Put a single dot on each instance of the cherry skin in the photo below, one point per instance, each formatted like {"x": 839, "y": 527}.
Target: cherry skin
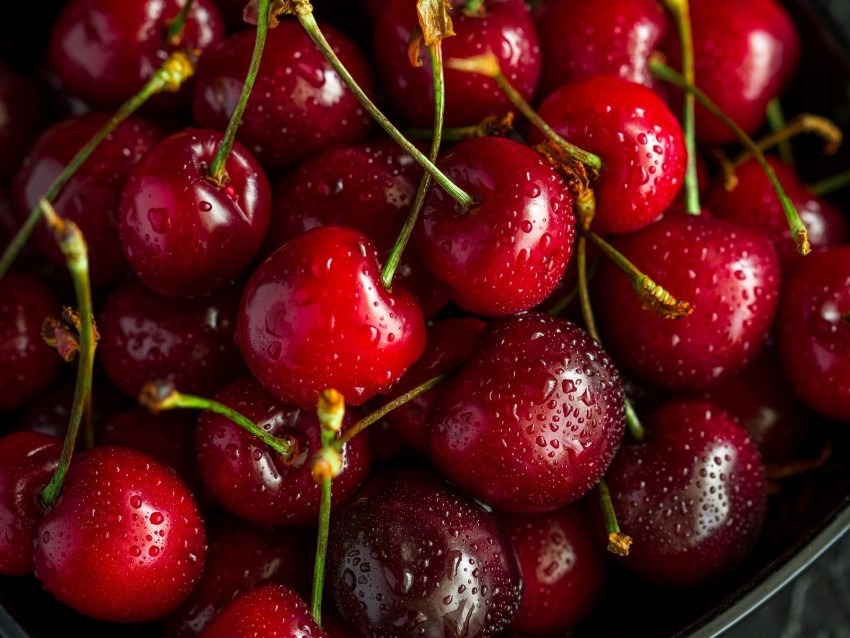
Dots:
{"x": 580, "y": 40}
{"x": 693, "y": 496}
{"x": 299, "y": 105}
{"x": 104, "y": 52}
{"x": 533, "y": 418}
{"x": 814, "y": 332}
{"x": 409, "y": 557}
{"x": 314, "y": 316}
{"x": 27, "y": 463}
{"x": 182, "y": 234}
{"x": 125, "y": 542}
{"x": 91, "y": 198}
{"x": 254, "y": 482}
{"x": 507, "y": 253}
{"x": 190, "y": 342}
{"x": 506, "y": 29}
{"x": 727, "y": 271}
{"x": 22, "y": 106}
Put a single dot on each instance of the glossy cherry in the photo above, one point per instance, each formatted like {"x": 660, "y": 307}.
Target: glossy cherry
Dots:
{"x": 692, "y": 497}
{"x": 727, "y": 271}
{"x": 533, "y": 418}
{"x": 409, "y": 557}
{"x": 299, "y": 105}
{"x": 507, "y": 253}
{"x": 314, "y": 316}
{"x": 183, "y": 234}
{"x": 22, "y": 106}
{"x": 124, "y": 542}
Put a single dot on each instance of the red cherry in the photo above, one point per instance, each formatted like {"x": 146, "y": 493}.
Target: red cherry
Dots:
{"x": 125, "y": 542}
{"x": 182, "y": 234}
{"x": 299, "y": 105}
{"x": 314, "y": 316}
{"x": 21, "y": 105}
{"x": 692, "y": 497}
{"x": 533, "y": 418}
{"x": 508, "y": 253}
{"x": 638, "y": 138}
{"x": 251, "y": 480}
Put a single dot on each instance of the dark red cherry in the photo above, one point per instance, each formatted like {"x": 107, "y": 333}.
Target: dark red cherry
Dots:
{"x": 507, "y": 253}
{"x": 580, "y": 40}
{"x": 814, "y": 332}
{"x": 638, "y": 138}
{"x": 28, "y": 364}
{"x": 505, "y": 29}
{"x": 184, "y": 235}
{"x": 563, "y": 570}
{"x": 105, "y": 51}
{"x": 753, "y": 201}
{"x": 91, "y": 197}
{"x": 692, "y": 497}
{"x": 190, "y": 342}
{"x": 314, "y": 316}
{"x": 727, "y": 271}
{"x": 409, "y": 557}
{"x": 270, "y": 611}
{"x": 533, "y": 418}
{"x": 22, "y": 106}
{"x": 27, "y": 463}
{"x": 124, "y": 542}
{"x": 299, "y": 105}
{"x": 253, "y": 481}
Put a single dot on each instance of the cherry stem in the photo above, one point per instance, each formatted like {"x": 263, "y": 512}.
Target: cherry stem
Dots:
{"x": 798, "y": 228}
{"x": 435, "y": 52}
{"x": 727, "y": 168}
{"x": 618, "y": 543}
{"x": 490, "y": 126}
{"x": 567, "y": 299}
{"x": 473, "y": 7}
{"x": 830, "y": 184}
{"x": 321, "y": 550}
{"x": 682, "y": 13}
{"x": 169, "y": 77}
{"x": 488, "y": 64}
{"x": 803, "y": 123}
{"x": 304, "y": 12}
{"x": 176, "y": 25}
{"x": 73, "y": 246}
{"x": 161, "y": 395}
{"x": 380, "y": 413}
{"x": 776, "y": 122}
{"x": 216, "y": 172}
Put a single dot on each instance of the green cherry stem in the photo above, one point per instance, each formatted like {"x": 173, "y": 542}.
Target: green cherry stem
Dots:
{"x": 798, "y": 228}
{"x": 216, "y": 172}
{"x": 174, "y": 32}
{"x": 321, "y": 550}
{"x": 73, "y": 246}
{"x": 776, "y": 122}
{"x": 803, "y": 123}
{"x": 618, "y": 543}
{"x": 473, "y": 7}
{"x": 169, "y": 77}
{"x": 435, "y": 51}
{"x": 571, "y": 296}
{"x": 831, "y": 184}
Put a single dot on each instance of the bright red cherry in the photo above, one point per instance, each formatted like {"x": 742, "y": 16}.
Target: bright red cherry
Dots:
{"x": 507, "y": 253}
{"x": 693, "y": 496}
{"x": 184, "y": 235}
{"x": 638, "y": 138}
{"x": 125, "y": 542}
{"x": 21, "y": 105}
{"x": 533, "y": 418}
{"x": 314, "y": 316}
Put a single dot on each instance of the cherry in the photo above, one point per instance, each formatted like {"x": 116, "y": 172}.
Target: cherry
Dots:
{"x": 580, "y": 40}
{"x": 182, "y": 234}
{"x": 409, "y": 557}
{"x": 533, "y": 418}
{"x": 105, "y": 51}
{"x": 91, "y": 197}
{"x": 505, "y": 28}
{"x": 315, "y": 316}
{"x": 814, "y": 332}
{"x": 124, "y": 542}
{"x": 692, "y": 497}
{"x": 299, "y": 105}
{"x": 21, "y": 105}
{"x": 563, "y": 570}
{"x": 251, "y": 480}
{"x": 727, "y": 271}
{"x": 269, "y": 610}
{"x": 639, "y": 140}
{"x": 27, "y": 463}
{"x": 190, "y": 342}
{"x": 508, "y": 253}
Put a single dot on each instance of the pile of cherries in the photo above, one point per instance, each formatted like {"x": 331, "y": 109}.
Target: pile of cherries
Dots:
{"x": 482, "y": 506}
